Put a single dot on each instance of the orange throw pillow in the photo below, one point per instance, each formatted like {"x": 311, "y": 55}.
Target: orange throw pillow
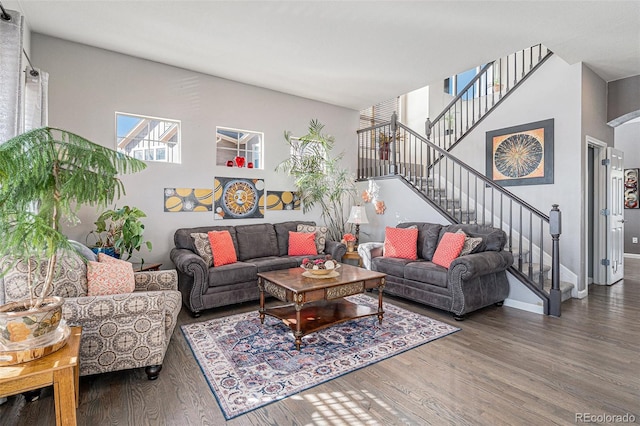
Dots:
{"x": 109, "y": 276}
{"x": 222, "y": 248}
{"x": 401, "y": 242}
{"x": 302, "y": 243}
{"x": 448, "y": 249}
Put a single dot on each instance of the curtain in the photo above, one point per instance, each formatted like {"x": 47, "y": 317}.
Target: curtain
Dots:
{"x": 11, "y": 36}
{"x": 36, "y": 112}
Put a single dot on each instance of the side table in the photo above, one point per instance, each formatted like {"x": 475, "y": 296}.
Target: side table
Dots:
{"x": 353, "y": 255}
{"x": 60, "y": 369}
{"x": 140, "y": 267}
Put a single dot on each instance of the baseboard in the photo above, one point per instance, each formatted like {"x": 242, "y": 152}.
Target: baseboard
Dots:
{"x": 632, "y": 255}
{"x": 529, "y": 307}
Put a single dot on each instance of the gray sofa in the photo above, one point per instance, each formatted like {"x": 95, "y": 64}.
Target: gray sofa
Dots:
{"x": 259, "y": 248}
{"x": 472, "y": 281}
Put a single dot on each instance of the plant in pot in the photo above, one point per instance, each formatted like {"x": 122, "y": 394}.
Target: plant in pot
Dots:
{"x": 119, "y": 231}
{"x": 319, "y": 177}
{"x": 45, "y": 176}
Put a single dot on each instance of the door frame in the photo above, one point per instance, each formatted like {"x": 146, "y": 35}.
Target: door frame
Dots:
{"x": 599, "y": 221}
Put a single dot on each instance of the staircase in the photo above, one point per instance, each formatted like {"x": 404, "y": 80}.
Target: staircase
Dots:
{"x": 464, "y": 195}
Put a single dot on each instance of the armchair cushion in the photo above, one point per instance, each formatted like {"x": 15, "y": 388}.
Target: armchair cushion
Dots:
{"x": 109, "y": 276}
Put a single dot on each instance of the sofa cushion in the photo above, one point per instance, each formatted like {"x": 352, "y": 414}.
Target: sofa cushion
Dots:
{"x": 428, "y": 237}
{"x": 427, "y": 272}
{"x": 257, "y": 240}
{"x": 402, "y": 243}
{"x": 282, "y": 233}
{"x": 273, "y": 263}
{"x": 321, "y": 235}
{"x": 203, "y": 247}
{"x": 222, "y": 248}
{"x": 470, "y": 243}
{"x": 183, "y": 240}
{"x": 232, "y": 273}
{"x": 448, "y": 249}
{"x": 302, "y": 243}
{"x": 493, "y": 239}
{"x": 390, "y": 265}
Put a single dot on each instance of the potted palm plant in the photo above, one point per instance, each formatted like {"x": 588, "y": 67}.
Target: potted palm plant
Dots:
{"x": 119, "y": 232}
{"x": 319, "y": 178}
{"x": 45, "y": 176}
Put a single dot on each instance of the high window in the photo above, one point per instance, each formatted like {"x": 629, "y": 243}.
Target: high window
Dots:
{"x": 234, "y": 144}
{"x": 148, "y": 138}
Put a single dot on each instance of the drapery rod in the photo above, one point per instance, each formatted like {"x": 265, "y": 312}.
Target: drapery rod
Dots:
{"x": 4, "y": 14}
{"x": 33, "y": 72}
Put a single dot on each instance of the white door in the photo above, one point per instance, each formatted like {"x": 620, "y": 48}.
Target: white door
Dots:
{"x": 615, "y": 218}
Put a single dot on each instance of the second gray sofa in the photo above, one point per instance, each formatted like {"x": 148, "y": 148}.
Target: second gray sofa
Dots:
{"x": 259, "y": 248}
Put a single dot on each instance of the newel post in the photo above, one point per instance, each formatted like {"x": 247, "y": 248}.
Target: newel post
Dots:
{"x": 555, "y": 229}
{"x": 393, "y": 169}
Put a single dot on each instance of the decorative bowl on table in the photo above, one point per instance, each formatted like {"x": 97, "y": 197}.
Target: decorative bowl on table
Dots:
{"x": 319, "y": 266}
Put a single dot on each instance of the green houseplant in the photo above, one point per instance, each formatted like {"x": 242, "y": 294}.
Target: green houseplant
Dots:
{"x": 319, "y": 178}
{"x": 45, "y": 176}
{"x": 120, "y": 229}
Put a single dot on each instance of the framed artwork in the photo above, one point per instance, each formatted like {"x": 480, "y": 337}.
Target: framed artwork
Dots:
{"x": 283, "y": 200}
{"x": 521, "y": 155}
{"x": 631, "y": 188}
{"x": 188, "y": 199}
{"x": 238, "y": 198}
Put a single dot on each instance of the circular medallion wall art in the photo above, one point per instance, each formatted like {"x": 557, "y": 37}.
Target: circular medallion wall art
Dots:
{"x": 519, "y": 156}
{"x": 238, "y": 198}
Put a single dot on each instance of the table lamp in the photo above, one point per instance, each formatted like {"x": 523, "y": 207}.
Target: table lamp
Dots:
{"x": 358, "y": 215}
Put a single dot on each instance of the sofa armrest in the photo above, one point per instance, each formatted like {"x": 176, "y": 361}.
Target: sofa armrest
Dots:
{"x": 368, "y": 251}
{"x": 156, "y": 280}
{"x": 188, "y": 262}
{"x": 335, "y": 249}
{"x": 478, "y": 264}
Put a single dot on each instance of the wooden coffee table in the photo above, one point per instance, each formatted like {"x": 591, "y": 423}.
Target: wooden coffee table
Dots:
{"x": 318, "y": 303}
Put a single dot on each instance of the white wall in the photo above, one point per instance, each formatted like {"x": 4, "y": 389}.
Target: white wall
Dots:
{"x": 87, "y": 85}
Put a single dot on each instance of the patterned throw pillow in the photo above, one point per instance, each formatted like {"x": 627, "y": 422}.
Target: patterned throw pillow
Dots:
{"x": 321, "y": 235}
{"x": 302, "y": 244}
{"x": 470, "y": 243}
{"x": 203, "y": 247}
{"x": 222, "y": 248}
{"x": 448, "y": 249}
{"x": 109, "y": 276}
{"x": 401, "y": 243}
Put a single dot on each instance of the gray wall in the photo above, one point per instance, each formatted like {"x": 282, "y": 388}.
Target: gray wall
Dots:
{"x": 627, "y": 138}
{"x": 87, "y": 85}
{"x": 554, "y": 91}
{"x": 623, "y": 100}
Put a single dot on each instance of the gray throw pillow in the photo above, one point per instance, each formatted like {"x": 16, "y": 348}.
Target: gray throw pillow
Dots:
{"x": 203, "y": 247}
{"x": 470, "y": 243}
{"x": 321, "y": 235}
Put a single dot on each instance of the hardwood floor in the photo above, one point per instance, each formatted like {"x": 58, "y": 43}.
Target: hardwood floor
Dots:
{"x": 506, "y": 366}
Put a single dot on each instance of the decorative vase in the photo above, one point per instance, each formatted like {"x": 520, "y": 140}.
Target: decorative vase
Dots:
{"x": 351, "y": 245}
{"x": 230, "y": 163}
{"x": 20, "y": 325}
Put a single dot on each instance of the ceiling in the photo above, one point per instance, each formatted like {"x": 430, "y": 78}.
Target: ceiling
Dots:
{"x": 348, "y": 53}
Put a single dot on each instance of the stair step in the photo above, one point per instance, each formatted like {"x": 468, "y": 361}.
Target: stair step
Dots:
{"x": 535, "y": 268}
{"x": 565, "y": 289}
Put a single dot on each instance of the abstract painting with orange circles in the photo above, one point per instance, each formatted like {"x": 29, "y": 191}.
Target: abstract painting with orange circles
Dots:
{"x": 238, "y": 198}
{"x": 188, "y": 199}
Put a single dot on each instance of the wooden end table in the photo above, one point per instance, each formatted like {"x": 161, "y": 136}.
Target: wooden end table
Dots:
{"x": 138, "y": 267}
{"x": 353, "y": 255}
{"x": 60, "y": 369}
{"x": 318, "y": 303}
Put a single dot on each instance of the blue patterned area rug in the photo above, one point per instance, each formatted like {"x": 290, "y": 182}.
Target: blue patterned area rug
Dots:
{"x": 249, "y": 365}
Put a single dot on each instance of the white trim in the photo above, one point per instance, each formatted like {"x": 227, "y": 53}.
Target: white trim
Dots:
{"x": 581, "y": 294}
{"x": 599, "y": 238}
{"x": 529, "y": 307}
{"x": 632, "y": 255}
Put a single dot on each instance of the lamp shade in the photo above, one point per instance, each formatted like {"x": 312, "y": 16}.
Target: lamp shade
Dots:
{"x": 358, "y": 215}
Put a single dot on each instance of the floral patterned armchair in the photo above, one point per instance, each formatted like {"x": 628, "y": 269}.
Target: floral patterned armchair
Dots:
{"x": 119, "y": 331}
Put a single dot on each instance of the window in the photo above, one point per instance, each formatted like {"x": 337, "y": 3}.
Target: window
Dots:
{"x": 148, "y": 138}
{"x": 232, "y": 143}
{"x": 455, "y": 84}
